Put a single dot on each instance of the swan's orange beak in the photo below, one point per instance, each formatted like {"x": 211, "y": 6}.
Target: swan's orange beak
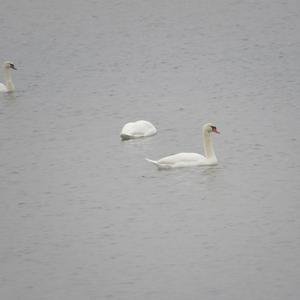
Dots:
{"x": 215, "y": 130}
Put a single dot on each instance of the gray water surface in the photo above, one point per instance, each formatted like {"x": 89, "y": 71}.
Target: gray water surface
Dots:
{"x": 84, "y": 216}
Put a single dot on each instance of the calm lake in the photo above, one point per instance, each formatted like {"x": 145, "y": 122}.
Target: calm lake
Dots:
{"x": 83, "y": 215}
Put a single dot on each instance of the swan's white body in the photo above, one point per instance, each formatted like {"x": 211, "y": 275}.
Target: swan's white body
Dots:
{"x": 191, "y": 159}
{"x": 138, "y": 129}
{"x": 3, "y": 87}
{"x": 9, "y": 86}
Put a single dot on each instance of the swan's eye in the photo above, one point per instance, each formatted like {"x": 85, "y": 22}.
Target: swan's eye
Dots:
{"x": 214, "y": 129}
{"x": 12, "y": 66}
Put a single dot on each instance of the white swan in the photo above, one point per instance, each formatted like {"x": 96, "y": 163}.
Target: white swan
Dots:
{"x": 191, "y": 159}
{"x": 138, "y": 129}
{"x": 9, "y": 87}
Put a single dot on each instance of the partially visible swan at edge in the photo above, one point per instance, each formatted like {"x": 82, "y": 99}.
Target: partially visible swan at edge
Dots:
{"x": 191, "y": 159}
{"x": 138, "y": 129}
{"x": 9, "y": 87}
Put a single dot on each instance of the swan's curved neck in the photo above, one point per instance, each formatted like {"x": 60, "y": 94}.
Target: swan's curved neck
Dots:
{"x": 8, "y": 80}
{"x": 208, "y": 146}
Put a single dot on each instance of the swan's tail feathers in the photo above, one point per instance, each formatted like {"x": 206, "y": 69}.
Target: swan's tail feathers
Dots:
{"x": 159, "y": 165}
{"x": 152, "y": 161}
{"x": 125, "y": 136}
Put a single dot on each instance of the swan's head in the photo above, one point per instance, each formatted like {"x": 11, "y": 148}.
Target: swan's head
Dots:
{"x": 9, "y": 65}
{"x": 209, "y": 127}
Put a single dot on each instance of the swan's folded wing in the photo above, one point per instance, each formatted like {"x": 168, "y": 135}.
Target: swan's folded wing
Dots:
{"x": 144, "y": 128}
{"x": 138, "y": 129}
{"x": 181, "y": 157}
{"x": 129, "y": 128}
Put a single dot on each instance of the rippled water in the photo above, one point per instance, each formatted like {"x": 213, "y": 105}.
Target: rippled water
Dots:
{"x": 84, "y": 216}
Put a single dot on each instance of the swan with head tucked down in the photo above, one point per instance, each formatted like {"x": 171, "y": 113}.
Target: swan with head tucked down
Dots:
{"x": 138, "y": 129}
{"x": 192, "y": 159}
{"x": 9, "y": 86}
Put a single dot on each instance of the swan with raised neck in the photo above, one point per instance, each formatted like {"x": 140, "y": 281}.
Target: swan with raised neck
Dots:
{"x": 8, "y": 86}
{"x": 192, "y": 159}
{"x": 208, "y": 146}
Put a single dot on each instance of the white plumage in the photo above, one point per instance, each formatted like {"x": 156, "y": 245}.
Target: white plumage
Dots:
{"x": 138, "y": 129}
{"x": 191, "y": 159}
{"x": 9, "y": 86}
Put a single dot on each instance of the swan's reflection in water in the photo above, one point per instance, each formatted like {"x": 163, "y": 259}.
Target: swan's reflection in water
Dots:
{"x": 210, "y": 171}
{"x": 10, "y": 96}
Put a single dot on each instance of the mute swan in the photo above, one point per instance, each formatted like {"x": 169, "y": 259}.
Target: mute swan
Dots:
{"x": 138, "y": 129}
{"x": 191, "y": 159}
{"x": 9, "y": 87}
